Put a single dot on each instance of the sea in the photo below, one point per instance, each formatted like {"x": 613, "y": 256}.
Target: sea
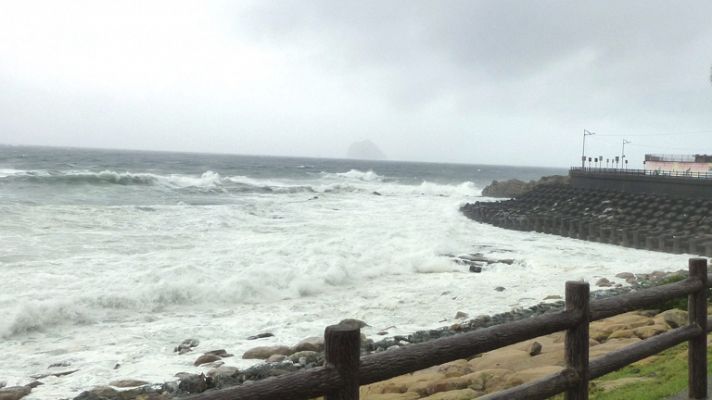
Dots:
{"x": 109, "y": 259}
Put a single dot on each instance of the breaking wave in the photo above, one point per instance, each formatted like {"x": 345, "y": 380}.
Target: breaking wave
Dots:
{"x": 352, "y": 181}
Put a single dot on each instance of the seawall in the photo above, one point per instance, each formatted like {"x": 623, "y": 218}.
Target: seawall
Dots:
{"x": 669, "y": 183}
{"x": 645, "y": 221}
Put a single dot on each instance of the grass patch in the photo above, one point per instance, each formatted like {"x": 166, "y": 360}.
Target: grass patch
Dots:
{"x": 656, "y": 378}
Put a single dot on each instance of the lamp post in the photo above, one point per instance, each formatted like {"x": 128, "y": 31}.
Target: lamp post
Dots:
{"x": 623, "y": 151}
{"x": 583, "y": 149}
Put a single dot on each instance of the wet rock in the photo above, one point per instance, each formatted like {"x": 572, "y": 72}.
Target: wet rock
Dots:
{"x": 262, "y": 371}
{"x": 461, "y": 315}
{"x": 305, "y": 357}
{"x": 625, "y": 275}
{"x": 516, "y": 187}
{"x": 552, "y": 297}
{"x": 14, "y": 392}
{"x": 314, "y": 343}
{"x": 186, "y": 346}
{"x": 214, "y": 364}
{"x": 206, "y": 358}
{"x": 263, "y": 352}
{"x": 220, "y": 353}
{"x": 276, "y": 358}
{"x": 500, "y": 289}
{"x": 223, "y": 370}
{"x": 223, "y": 376}
{"x": 192, "y": 383}
{"x": 108, "y": 393}
{"x": 603, "y": 282}
{"x": 534, "y": 349}
{"x": 3, "y": 384}
{"x": 99, "y": 393}
{"x": 352, "y": 321}
{"x": 260, "y": 336}
{"x": 57, "y": 374}
{"x": 126, "y": 383}
{"x": 475, "y": 269}
{"x": 34, "y": 384}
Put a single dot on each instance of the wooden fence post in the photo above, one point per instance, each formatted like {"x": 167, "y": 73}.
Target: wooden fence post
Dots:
{"x": 342, "y": 350}
{"x": 697, "y": 348}
{"x": 576, "y": 349}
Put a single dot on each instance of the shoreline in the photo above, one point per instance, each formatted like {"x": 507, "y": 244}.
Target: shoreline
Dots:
{"x": 309, "y": 352}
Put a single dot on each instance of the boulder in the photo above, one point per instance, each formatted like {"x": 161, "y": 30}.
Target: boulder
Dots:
{"x": 264, "y": 352}
{"x": 353, "y": 321}
{"x": 305, "y": 357}
{"x": 14, "y": 392}
{"x": 622, "y": 334}
{"x": 275, "y": 358}
{"x": 126, "y": 383}
{"x": 260, "y": 336}
{"x": 223, "y": 371}
{"x": 223, "y": 376}
{"x": 220, "y": 353}
{"x": 192, "y": 383}
{"x": 645, "y": 332}
{"x": 603, "y": 282}
{"x": 461, "y": 315}
{"x": 205, "y": 359}
{"x": 186, "y": 346}
{"x": 314, "y": 343}
{"x": 99, "y": 393}
{"x": 674, "y": 318}
{"x": 534, "y": 348}
{"x": 516, "y": 187}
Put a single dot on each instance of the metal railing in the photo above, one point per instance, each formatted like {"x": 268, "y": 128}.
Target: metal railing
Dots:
{"x": 638, "y": 172}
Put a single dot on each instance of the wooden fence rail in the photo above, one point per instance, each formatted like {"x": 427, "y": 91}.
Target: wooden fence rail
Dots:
{"x": 344, "y": 372}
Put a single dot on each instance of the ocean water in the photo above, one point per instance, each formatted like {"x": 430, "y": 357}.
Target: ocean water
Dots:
{"x": 114, "y": 257}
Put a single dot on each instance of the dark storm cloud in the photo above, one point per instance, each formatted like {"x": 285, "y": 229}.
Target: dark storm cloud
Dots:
{"x": 504, "y": 40}
{"x": 524, "y": 72}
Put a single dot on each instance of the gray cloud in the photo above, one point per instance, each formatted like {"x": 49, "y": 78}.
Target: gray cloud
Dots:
{"x": 461, "y": 81}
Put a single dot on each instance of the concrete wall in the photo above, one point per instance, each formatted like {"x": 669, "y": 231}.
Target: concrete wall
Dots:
{"x": 677, "y": 166}
{"x": 630, "y": 183}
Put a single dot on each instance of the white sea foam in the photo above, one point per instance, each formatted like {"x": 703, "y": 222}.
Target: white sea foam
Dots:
{"x": 101, "y": 285}
{"x": 367, "y": 176}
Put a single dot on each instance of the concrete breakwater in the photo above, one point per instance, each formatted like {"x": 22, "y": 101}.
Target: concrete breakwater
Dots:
{"x": 643, "y": 221}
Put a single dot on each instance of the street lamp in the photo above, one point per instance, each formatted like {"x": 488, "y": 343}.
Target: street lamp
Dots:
{"x": 623, "y": 151}
{"x": 583, "y": 150}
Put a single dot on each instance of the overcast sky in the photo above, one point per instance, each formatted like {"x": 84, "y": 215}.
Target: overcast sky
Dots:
{"x": 497, "y": 82}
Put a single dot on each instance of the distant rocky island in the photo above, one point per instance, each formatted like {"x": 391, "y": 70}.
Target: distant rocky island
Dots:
{"x": 365, "y": 150}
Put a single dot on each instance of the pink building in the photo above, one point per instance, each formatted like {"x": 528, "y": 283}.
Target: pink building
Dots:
{"x": 691, "y": 163}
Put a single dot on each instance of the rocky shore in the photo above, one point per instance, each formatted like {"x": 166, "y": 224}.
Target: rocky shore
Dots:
{"x": 644, "y": 221}
{"x": 308, "y": 353}
{"x": 516, "y": 187}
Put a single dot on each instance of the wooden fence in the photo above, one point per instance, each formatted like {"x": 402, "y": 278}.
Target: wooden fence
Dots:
{"x": 344, "y": 370}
